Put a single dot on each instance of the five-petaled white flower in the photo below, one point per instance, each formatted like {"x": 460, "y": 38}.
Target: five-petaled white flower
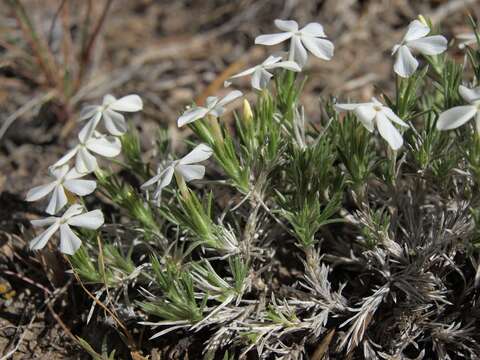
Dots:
{"x": 459, "y": 115}
{"x": 109, "y": 111}
{"x": 375, "y": 113}
{"x": 186, "y": 167}
{"x": 65, "y": 178}
{"x": 416, "y": 39}
{"x": 260, "y": 75}
{"x": 312, "y": 37}
{"x": 73, "y": 216}
{"x": 213, "y": 107}
{"x": 85, "y": 162}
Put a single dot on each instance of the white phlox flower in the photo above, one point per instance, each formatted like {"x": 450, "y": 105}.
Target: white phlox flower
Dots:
{"x": 85, "y": 161}
{"x": 416, "y": 39}
{"x": 110, "y": 112}
{"x": 373, "y": 114}
{"x": 65, "y": 178}
{"x": 186, "y": 167}
{"x": 69, "y": 241}
{"x": 311, "y": 37}
{"x": 260, "y": 73}
{"x": 459, "y": 115}
{"x": 214, "y": 106}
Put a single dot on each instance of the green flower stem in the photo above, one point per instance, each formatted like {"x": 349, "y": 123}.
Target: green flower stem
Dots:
{"x": 182, "y": 185}
{"x": 217, "y": 131}
{"x": 392, "y": 154}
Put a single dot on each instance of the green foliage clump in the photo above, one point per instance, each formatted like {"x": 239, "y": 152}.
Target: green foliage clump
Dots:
{"x": 306, "y": 237}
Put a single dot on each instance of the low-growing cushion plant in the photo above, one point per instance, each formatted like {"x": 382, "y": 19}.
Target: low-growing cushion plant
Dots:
{"x": 351, "y": 236}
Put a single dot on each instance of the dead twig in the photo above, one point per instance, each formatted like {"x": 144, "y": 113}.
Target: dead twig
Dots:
{"x": 87, "y": 50}
{"x": 20, "y": 340}
{"x": 131, "y": 341}
{"x": 38, "y": 100}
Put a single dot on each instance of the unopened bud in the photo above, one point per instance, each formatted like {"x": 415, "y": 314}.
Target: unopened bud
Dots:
{"x": 423, "y": 20}
{"x": 247, "y": 112}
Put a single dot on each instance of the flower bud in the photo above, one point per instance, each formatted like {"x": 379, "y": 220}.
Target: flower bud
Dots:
{"x": 247, "y": 112}
{"x": 423, "y": 20}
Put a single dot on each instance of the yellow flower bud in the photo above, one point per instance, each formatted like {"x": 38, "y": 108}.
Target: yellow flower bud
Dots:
{"x": 423, "y": 20}
{"x": 247, "y": 112}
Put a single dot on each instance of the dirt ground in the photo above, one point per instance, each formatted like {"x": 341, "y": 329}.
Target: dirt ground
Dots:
{"x": 168, "y": 52}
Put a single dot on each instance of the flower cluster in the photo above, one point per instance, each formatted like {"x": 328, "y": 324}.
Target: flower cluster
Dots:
{"x": 311, "y": 38}
{"x": 68, "y": 181}
{"x": 213, "y": 259}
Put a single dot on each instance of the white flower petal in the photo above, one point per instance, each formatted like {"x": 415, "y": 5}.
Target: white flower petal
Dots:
{"x": 108, "y": 100}
{"x": 39, "y": 192}
{"x": 73, "y": 174}
{"x": 200, "y": 153}
{"x": 58, "y": 172}
{"x": 85, "y": 162}
{"x": 73, "y": 210}
{"x": 65, "y": 158}
{"x": 347, "y": 107}
{"x": 393, "y": 117}
{"x": 69, "y": 242}
{"x": 313, "y": 29}
{"x": 321, "y": 48}
{"x": 211, "y": 101}
{"x": 80, "y": 187}
{"x": 89, "y": 128}
{"x": 107, "y": 146}
{"x": 260, "y": 79}
{"x": 376, "y": 102}
{"x": 114, "y": 122}
{"x": 41, "y": 240}
{"x": 272, "y": 39}
{"x": 57, "y": 201}
{"x": 395, "y": 49}
{"x": 191, "y": 115}
{"x": 88, "y": 112}
{"x": 191, "y": 172}
{"x": 165, "y": 178}
{"x": 286, "y": 25}
{"x": 289, "y": 65}
{"x": 469, "y": 95}
{"x": 297, "y": 52}
{"x": 90, "y": 220}
{"x": 245, "y": 72}
{"x": 430, "y": 45}
{"x": 230, "y": 97}
{"x": 416, "y": 30}
{"x": 44, "y": 222}
{"x": 388, "y": 131}
{"x": 455, "y": 117}
{"x": 217, "y": 112}
{"x": 129, "y": 103}
{"x": 406, "y": 64}
{"x": 272, "y": 59}
{"x": 366, "y": 114}
{"x": 151, "y": 181}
